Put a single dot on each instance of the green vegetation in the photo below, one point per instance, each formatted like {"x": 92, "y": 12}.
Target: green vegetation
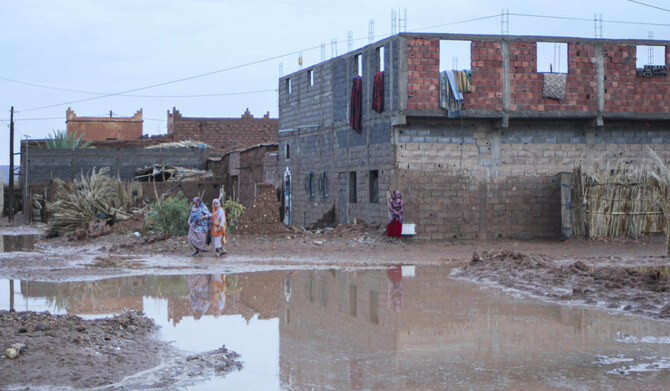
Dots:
{"x": 170, "y": 216}
{"x": 233, "y": 212}
{"x": 62, "y": 140}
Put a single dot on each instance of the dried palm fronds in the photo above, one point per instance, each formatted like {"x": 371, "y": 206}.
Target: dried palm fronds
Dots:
{"x": 91, "y": 196}
{"x": 661, "y": 180}
{"x": 616, "y": 202}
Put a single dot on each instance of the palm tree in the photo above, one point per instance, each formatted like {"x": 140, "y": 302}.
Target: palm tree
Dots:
{"x": 63, "y": 140}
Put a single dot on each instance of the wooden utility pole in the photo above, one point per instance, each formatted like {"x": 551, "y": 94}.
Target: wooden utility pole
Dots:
{"x": 11, "y": 166}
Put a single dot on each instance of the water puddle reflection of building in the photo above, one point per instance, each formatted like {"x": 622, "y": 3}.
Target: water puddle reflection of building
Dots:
{"x": 11, "y": 243}
{"x": 396, "y": 328}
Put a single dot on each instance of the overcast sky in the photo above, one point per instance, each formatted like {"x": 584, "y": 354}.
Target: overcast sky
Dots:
{"x": 228, "y": 54}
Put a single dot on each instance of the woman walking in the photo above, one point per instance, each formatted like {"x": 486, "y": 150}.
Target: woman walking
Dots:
{"x": 198, "y": 222}
{"x": 218, "y": 231}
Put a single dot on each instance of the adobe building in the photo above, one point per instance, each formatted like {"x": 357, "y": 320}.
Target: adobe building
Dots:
{"x": 475, "y": 156}
{"x": 223, "y": 134}
{"x": 105, "y": 128}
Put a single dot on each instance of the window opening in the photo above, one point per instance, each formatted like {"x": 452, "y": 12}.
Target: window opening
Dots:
{"x": 650, "y": 61}
{"x": 455, "y": 55}
{"x": 552, "y": 57}
{"x": 374, "y": 186}
{"x": 352, "y": 187}
{"x": 288, "y": 151}
{"x": 310, "y": 77}
{"x": 380, "y": 59}
{"x": 323, "y": 184}
{"x": 288, "y": 85}
{"x": 309, "y": 188}
{"x": 359, "y": 65}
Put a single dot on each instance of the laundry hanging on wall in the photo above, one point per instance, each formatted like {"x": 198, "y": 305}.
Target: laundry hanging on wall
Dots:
{"x": 378, "y": 92}
{"x": 356, "y": 109}
{"x": 450, "y": 97}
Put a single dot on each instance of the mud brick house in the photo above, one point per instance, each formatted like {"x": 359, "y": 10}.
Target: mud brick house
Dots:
{"x": 479, "y": 161}
{"x": 105, "y": 128}
{"x": 242, "y": 171}
{"x": 223, "y": 134}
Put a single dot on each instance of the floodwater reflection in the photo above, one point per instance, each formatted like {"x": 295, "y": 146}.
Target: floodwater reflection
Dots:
{"x": 11, "y": 243}
{"x": 394, "y": 328}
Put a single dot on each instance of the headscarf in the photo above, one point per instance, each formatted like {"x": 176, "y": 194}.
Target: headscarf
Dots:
{"x": 216, "y": 203}
{"x": 395, "y": 206}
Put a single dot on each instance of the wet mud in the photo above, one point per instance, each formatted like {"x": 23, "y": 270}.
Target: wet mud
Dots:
{"x": 638, "y": 286}
{"x": 68, "y": 351}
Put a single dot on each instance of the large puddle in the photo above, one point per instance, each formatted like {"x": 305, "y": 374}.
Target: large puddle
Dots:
{"x": 400, "y": 328}
{"x": 11, "y": 243}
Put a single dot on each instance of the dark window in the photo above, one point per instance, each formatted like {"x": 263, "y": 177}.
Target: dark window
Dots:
{"x": 374, "y": 186}
{"x": 323, "y": 184}
{"x": 288, "y": 151}
{"x": 352, "y": 187}
{"x": 309, "y": 187}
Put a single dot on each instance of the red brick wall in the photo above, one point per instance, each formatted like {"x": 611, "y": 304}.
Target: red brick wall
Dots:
{"x": 423, "y": 83}
{"x": 225, "y": 134}
{"x": 625, "y": 91}
{"x": 487, "y": 79}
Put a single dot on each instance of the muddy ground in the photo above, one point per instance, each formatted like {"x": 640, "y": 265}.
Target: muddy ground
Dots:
{"x": 122, "y": 353}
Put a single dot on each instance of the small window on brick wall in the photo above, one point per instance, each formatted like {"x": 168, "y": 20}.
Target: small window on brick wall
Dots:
{"x": 455, "y": 55}
{"x": 552, "y": 57}
{"x": 310, "y": 77}
{"x": 374, "y": 186}
{"x": 650, "y": 61}
{"x": 352, "y": 187}
{"x": 288, "y": 85}
{"x": 288, "y": 151}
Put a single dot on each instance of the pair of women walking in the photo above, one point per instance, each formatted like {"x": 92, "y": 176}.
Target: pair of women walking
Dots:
{"x": 203, "y": 223}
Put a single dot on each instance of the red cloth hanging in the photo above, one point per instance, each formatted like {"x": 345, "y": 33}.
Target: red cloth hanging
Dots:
{"x": 356, "y": 110}
{"x": 378, "y": 92}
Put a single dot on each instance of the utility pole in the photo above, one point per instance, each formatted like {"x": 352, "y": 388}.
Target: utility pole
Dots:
{"x": 11, "y": 166}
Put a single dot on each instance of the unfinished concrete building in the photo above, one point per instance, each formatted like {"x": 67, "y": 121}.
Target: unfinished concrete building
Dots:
{"x": 477, "y": 155}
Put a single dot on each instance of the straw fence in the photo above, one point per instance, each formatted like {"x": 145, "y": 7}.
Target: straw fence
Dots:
{"x": 619, "y": 202}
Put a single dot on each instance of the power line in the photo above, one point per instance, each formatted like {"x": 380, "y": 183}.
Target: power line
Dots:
{"x": 172, "y": 81}
{"x": 134, "y": 95}
{"x": 650, "y": 5}
{"x": 591, "y": 20}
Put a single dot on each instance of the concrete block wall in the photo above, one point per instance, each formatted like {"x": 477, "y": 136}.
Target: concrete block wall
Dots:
{"x": 47, "y": 164}
{"x": 483, "y": 182}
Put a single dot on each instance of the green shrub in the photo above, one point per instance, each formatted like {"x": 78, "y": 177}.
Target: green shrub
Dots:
{"x": 233, "y": 212}
{"x": 170, "y": 216}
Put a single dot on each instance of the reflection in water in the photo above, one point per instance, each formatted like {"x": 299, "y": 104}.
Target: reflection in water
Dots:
{"x": 332, "y": 331}
{"x": 11, "y": 243}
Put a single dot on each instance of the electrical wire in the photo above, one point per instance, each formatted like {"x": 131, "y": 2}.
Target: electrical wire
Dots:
{"x": 172, "y": 81}
{"x": 650, "y": 5}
